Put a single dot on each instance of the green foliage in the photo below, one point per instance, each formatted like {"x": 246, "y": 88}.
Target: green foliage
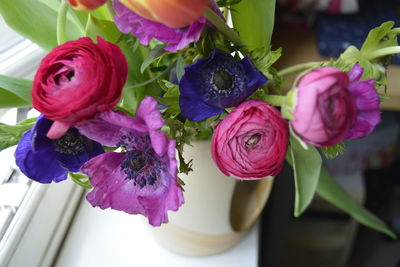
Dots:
{"x": 254, "y": 20}
{"x": 170, "y": 98}
{"x": 14, "y": 92}
{"x": 156, "y": 53}
{"x": 306, "y": 165}
{"x": 227, "y": 3}
{"x": 331, "y": 152}
{"x": 80, "y": 179}
{"x": 180, "y": 68}
{"x": 380, "y": 37}
{"x": 104, "y": 28}
{"x": 37, "y": 21}
{"x": 263, "y": 59}
{"x": 332, "y": 192}
{"x": 11, "y": 134}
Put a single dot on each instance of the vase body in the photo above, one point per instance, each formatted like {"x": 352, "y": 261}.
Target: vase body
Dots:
{"x": 218, "y": 209}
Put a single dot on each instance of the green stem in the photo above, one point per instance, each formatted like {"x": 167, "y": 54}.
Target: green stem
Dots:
{"x": 221, "y": 25}
{"x": 275, "y": 100}
{"x": 297, "y": 68}
{"x": 110, "y": 9}
{"x": 395, "y": 31}
{"x": 383, "y": 52}
{"x": 61, "y": 21}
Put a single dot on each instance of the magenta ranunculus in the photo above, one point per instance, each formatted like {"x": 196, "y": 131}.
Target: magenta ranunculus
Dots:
{"x": 77, "y": 80}
{"x": 367, "y": 103}
{"x": 251, "y": 142}
{"x": 325, "y": 109}
{"x": 143, "y": 178}
{"x": 128, "y": 21}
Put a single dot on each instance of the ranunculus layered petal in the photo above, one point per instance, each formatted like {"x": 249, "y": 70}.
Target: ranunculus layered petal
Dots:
{"x": 325, "y": 109}
{"x": 251, "y": 142}
{"x": 77, "y": 80}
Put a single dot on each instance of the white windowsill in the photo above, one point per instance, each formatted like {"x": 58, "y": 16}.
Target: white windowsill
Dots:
{"x": 105, "y": 238}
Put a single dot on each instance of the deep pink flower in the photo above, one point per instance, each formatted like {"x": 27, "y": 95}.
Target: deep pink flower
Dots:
{"x": 251, "y": 142}
{"x": 77, "y": 80}
{"x": 141, "y": 180}
{"x": 128, "y": 21}
{"x": 325, "y": 109}
{"x": 367, "y": 103}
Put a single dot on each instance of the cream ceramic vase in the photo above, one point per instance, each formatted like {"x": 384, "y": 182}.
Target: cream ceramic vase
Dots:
{"x": 218, "y": 210}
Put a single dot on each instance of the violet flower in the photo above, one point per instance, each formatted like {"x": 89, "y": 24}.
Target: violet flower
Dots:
{"x": 128, "y": 21}
{"x": 366, "y": 100}
{"x": 45, "y": 160}
{"x": 217, "y": 82}
{"x": 143, "y": 178}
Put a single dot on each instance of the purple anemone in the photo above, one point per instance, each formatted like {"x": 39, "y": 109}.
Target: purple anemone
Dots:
{"x": 367, "y": 101}
{"x": 143, "y": 178}
{"x": 128, "y": 21}
{"x": 217, "y": 82}
{"x": 45, "y": 160}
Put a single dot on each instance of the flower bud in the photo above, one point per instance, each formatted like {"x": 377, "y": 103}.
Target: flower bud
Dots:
{"x": 85, "y": 5}
{"x": 173, "y": 13}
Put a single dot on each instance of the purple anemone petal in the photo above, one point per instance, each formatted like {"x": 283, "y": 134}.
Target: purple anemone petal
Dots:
{"x": 45, "y": 160}
{"x": 141, "y": 180}
{"x": 355, "y": 73}
{"x": 109, "y": 134}
{"x": 39, "y": 165}
{"x": 217, "y": 82}
{"x": 128, "y": 21}
{"x": 367, "y": 103}
{"x": 40, "y": 129}
{"x": 196, "y": 110}
{"x": 149, "y": 113}
{"x": 112, "y": 188}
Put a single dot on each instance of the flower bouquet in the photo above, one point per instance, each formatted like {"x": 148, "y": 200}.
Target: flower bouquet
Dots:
{"x": 127, "y": 84}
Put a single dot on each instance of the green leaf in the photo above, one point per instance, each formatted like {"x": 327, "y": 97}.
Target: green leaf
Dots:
{"x": 154, "y": 54}
{"x": 14, "y": 92}
{"x": 180, "y": 68}
{"x": 306, "y": 166}
{"x": 254, "y": 19}
{"x": 81, "y": 180}
{"x": 11, "y": 134}
{"x": 331, "y": 152}
{"x": 380, "y": 37}
{"x": 332, "y": 192}
{"x": 37, "y": 21}
{"x": 104, "y": 28}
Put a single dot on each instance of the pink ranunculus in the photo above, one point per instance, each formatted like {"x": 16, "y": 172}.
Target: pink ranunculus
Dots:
{"x": 251, "y": 142}
{"x": 325, "y": 109}
{"x": 77, "y": 80}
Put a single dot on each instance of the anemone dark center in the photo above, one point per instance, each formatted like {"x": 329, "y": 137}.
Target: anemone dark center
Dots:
{"x": 222, "y": 80}
{"x": 71, "y": 144}
{"x": 142, "y": 167}
{"x": 253, "y": 140}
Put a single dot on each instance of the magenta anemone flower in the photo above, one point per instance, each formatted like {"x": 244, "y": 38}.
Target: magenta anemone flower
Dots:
{"x": 143, "y": 178}
{"x": 366, "y": 100}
